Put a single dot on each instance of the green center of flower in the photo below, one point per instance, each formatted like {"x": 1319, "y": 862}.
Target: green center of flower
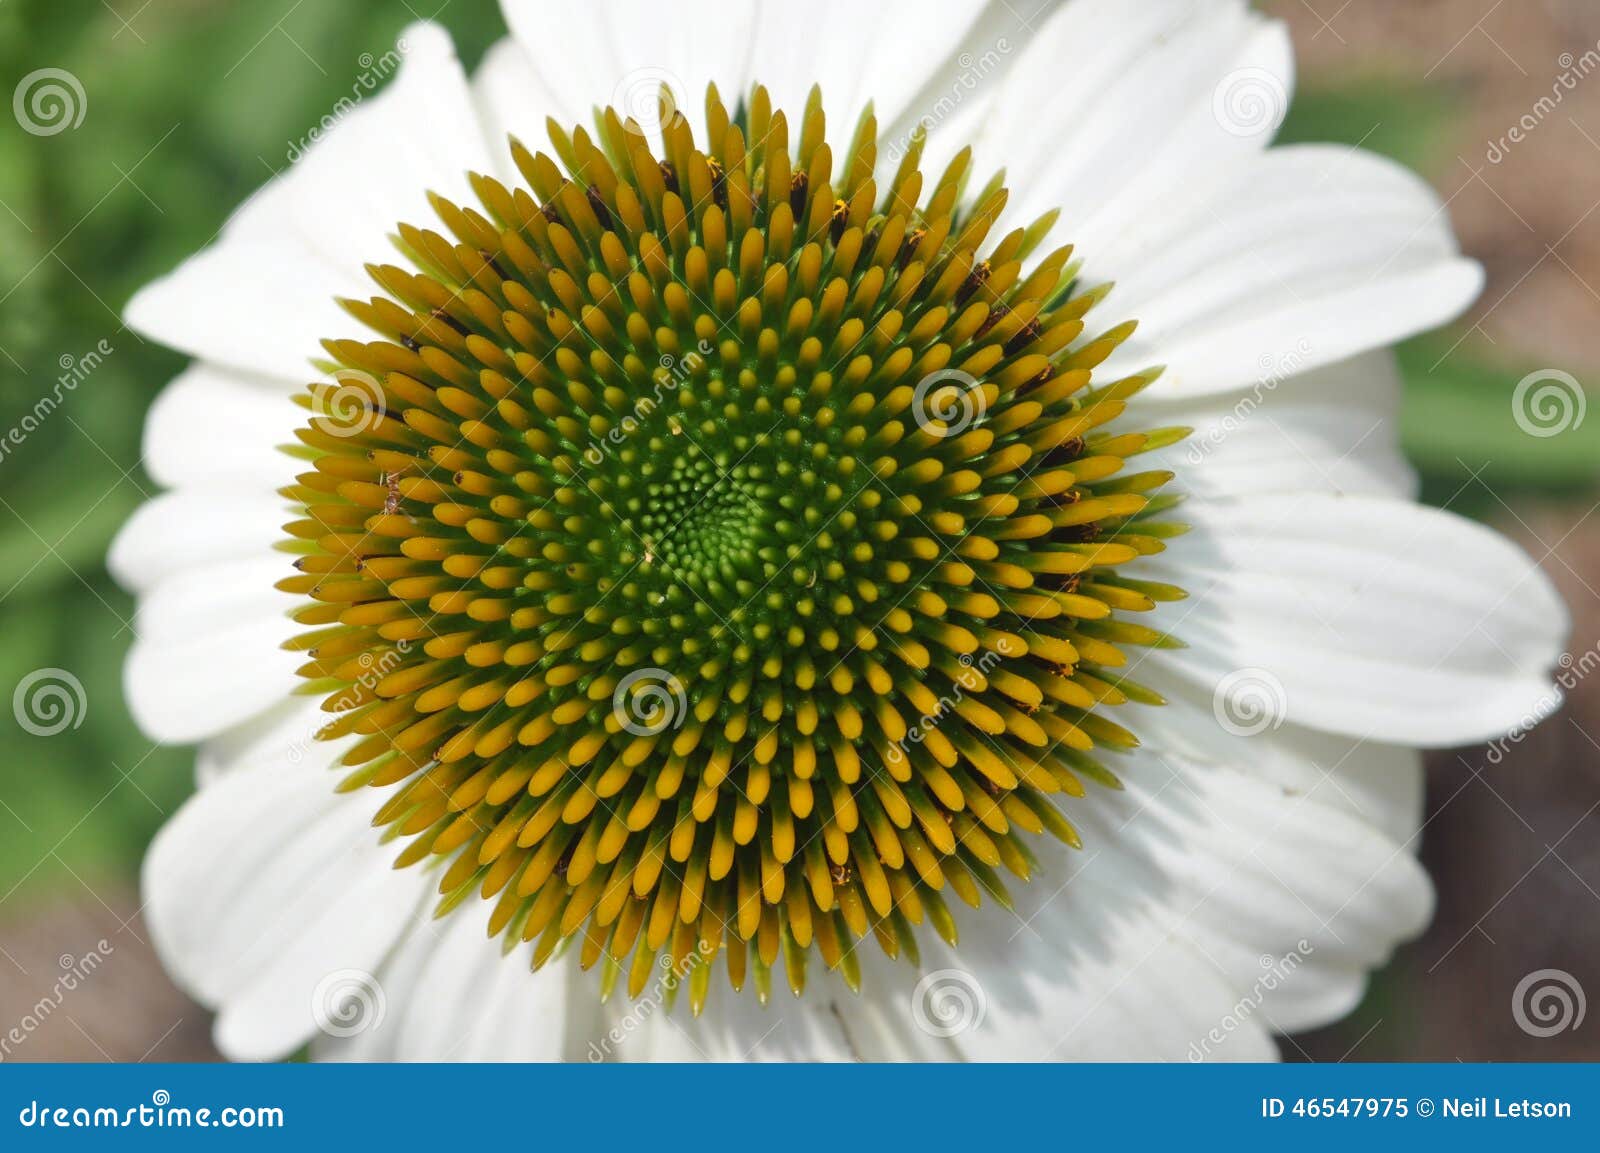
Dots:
{"x": 716, "y": 557}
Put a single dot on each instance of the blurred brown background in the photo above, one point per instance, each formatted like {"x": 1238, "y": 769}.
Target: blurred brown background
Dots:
{"x": 1514, "y": 847}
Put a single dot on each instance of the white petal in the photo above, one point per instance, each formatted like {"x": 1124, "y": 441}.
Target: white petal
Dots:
{"x": 327, "y": 939}
{"x": 576, "y": 65}
{"x": 1380, "y": 784}
{"x": 1335, "y": 429}
{"x": 826, "y": 1023}
{"x": 188, "y": 529}
{"x": 212, "y": 424}
{"x": 1310, "y": 253}
{"x": 1267, "y": 866}
{"x": 689, "y": 45}
{"x": 287, "y": 731}
{"x": 960, "y": 100}
{"x": 1373, "y": 618}
{"x": 621, "y": 54}
{"x": 1125, "y": 95}
{"x": 260, "y": 299}
{"x": 452, "y": 995}
{"x": 1288, "y": 992}
{"x": 904, "y": 55}
{"x": 419, "y": 132}
{"x": 1132, "y": 948}
{"x": 736, "y": 1027}
{"x": 512, "y": 102}
{"x": 972, "y": 47}
{"x": 1097, "y": 974}
{"x": 207, "y": 652}
{"x": 256, "y": 305}
{"x": 261, "y": 886}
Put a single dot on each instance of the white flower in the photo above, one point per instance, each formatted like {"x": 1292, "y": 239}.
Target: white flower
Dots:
{"x": 1259, "y": 861}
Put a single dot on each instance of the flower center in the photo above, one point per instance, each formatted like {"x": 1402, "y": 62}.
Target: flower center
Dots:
{"x": 716, "y": 559}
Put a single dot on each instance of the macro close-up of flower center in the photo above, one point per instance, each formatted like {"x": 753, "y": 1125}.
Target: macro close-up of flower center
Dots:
{"x": 716, "y": 554}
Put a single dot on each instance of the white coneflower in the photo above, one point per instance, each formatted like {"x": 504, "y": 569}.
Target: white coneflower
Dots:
{"x": 751, "y": 573}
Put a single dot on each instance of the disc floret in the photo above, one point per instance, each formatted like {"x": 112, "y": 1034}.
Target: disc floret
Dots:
{"x": 726, "y": 559}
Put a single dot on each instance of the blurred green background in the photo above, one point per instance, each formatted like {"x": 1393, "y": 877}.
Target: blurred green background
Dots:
{"x": 191, "y": 105}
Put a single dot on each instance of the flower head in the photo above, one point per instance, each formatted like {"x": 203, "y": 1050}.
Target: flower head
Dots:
{"x": 733, "y": 538}
{"x": 679, "y": 491}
